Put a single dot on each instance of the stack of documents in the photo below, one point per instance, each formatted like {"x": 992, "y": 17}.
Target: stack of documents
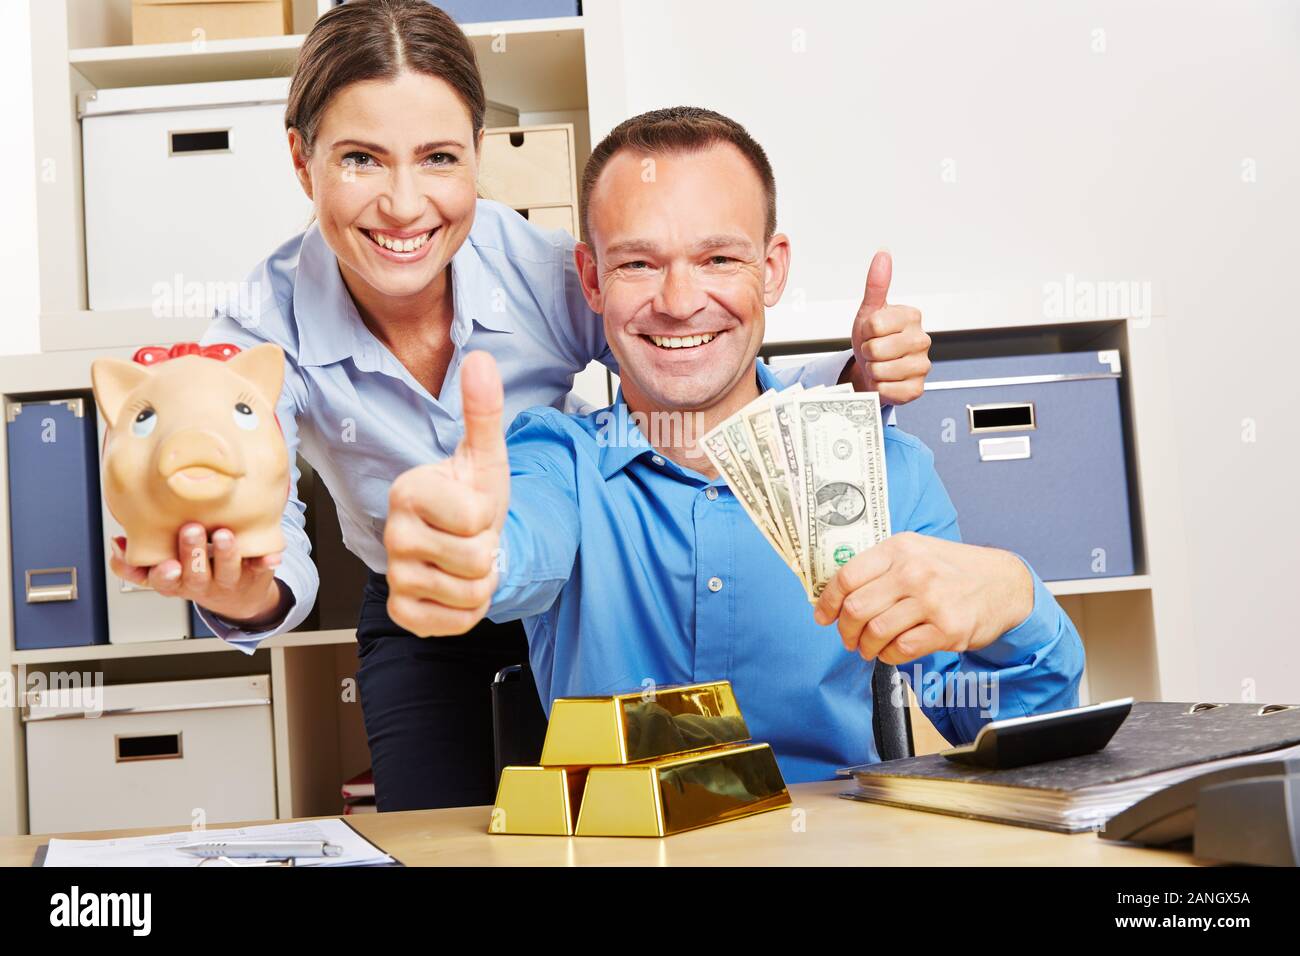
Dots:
{"x": 1067, "y": 811}
{"x": 161, "y": 849}
{"x": 1159, "y": 745}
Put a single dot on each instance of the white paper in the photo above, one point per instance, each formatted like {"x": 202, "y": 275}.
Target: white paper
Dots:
{"x": 161, "y": 849}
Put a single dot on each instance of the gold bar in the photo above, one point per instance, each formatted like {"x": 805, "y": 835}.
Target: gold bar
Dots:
{"x": 668, "y": 796}
{"x": 642, "y": 725}
{"x": 537, "y": 800}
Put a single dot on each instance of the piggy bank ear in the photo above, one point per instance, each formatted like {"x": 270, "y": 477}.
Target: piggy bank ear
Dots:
{"x": 262, "y": 365}
{"x": 113, "y": 380}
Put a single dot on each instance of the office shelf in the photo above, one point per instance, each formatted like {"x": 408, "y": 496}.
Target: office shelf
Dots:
{"x": 206, "y": 645}
{"x": 512, "y": 55}
{"x": 1132, "y": 582}
{"x": 151, "y": 64}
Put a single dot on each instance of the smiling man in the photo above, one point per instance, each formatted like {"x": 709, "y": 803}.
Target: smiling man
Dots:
{"x": 632, "y": 562}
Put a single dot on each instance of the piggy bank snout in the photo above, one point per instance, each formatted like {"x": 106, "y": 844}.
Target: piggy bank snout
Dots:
{"x": 199, "y": 448}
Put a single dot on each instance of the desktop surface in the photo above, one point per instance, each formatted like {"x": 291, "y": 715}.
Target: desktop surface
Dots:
{"x": 820, "y": 829}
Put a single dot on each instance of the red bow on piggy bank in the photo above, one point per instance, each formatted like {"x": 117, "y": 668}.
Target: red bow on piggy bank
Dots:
{"x": 153, "y": 354}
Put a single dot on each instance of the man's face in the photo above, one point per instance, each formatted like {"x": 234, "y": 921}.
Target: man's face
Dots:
{"x": 681, "y": 273}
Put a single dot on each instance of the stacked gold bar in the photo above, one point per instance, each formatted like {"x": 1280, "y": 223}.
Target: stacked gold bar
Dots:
{"x": 647, "y": 763}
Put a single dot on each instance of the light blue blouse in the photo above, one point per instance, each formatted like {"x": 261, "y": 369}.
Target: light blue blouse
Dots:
{"x": 361, "y": 419}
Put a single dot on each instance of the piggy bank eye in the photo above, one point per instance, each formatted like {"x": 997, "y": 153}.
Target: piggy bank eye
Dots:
{"x": 244, "y": 416}
{"x": 144, "y": 422}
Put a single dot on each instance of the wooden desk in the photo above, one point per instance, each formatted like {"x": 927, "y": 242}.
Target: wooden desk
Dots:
{"x": 835, "y": 832}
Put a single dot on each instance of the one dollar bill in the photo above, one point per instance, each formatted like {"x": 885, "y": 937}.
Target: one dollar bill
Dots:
{"x": 842, "y": 482}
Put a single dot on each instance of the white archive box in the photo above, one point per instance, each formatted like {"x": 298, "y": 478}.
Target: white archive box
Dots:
{"x": 186, "y": 188}
{"x": 129, "y": 755}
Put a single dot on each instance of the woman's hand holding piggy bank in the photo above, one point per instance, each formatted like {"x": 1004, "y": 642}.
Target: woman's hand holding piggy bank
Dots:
{"x": 193, "y": 449}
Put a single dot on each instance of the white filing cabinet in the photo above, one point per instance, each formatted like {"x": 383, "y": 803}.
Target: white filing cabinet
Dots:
{"x": 186, "y": 187}
{"x": 132, "y": 755}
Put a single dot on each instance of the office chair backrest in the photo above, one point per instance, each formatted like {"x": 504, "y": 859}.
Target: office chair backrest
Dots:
{"x": 518, "y": 721}
{"x": 891, "y": 723}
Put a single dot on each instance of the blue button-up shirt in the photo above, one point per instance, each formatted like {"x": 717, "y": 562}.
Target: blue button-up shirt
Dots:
{"x": 355, "y": 413}
{"x": 613, "y": 555}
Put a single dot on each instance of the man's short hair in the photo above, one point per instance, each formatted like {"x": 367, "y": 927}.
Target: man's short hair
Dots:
{"x": 678, "y": 129}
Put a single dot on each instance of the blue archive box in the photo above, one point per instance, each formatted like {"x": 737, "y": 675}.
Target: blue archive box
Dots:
{"x": 1031, "y": 450}
{"x": 492, "y": 11}
{"x": 55, "y": 524}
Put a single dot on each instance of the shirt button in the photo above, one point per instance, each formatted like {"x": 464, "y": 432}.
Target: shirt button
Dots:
{"x": 657, "y": 460}
{"x": 711, "y": 494}
{"x": 715, "y": 585}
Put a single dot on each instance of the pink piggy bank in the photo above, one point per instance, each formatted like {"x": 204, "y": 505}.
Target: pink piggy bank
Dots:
{"x": 192, "y": 436}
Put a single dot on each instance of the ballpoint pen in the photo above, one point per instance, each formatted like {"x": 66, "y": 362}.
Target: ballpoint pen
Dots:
{"x": 276, "y": 849}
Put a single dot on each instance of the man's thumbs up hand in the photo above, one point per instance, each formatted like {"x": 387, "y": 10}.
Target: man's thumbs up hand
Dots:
{"x": 889, "y": 346}
{"x": 444, "y": 519}
{"x": 879, "y": 275}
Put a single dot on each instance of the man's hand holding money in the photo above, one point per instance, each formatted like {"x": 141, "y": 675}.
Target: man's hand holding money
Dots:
{"x": 912, "y": 595}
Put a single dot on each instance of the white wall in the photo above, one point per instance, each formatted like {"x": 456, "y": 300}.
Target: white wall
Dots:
{"x": 1148, "y": 141}
{"x": 19, "y": 276}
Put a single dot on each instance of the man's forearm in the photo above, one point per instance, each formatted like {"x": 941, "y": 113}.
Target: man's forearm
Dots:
{"x": 527, "y": 585}
{"x": 1012, "y": 588}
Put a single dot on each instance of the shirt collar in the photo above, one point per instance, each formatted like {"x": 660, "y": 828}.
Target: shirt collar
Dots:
{"x": 621, "y": 441}
{"x": 618, "y": 438}
{"x": 477, "y": 298}
{"x": 323, "y": 311}
{"x": 330, "y": 328}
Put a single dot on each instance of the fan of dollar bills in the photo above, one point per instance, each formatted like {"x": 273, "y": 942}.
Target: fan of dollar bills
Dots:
{"x": 808, "y": 466}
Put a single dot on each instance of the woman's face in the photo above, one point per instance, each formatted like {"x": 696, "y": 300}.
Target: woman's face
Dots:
{"x": 393, "y": 177}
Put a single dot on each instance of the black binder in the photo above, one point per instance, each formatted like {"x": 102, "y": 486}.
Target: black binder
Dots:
{"x": 1160, "y": 744}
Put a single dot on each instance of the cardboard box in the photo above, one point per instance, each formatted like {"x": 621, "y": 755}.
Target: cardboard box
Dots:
{"x": 528, "y": 166}
{"x": 174, "y": 21}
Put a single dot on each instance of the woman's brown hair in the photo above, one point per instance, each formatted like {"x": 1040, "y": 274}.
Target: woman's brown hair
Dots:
{"x": 377, "y": 40}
